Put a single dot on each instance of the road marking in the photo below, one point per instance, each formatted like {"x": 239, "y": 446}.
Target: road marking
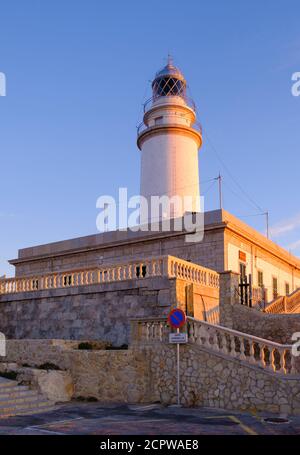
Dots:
{"x": 43, "y": 431}
{"x": 51, "y": 424}
{"x": 243, "y": 426}
{"x": 236, "y": 420}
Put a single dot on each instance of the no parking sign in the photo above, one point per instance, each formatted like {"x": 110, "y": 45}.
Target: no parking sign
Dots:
{"x": 176, "y": 318}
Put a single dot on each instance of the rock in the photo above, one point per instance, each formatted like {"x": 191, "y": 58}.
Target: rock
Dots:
{"x": 56, "y": 385}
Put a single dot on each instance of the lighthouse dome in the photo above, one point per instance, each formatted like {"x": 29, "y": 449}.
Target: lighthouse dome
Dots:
{"x": 169, "y": 81}
{"x": 171, "y": 71}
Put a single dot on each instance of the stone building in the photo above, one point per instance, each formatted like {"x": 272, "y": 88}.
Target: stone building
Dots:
{"x": 228, "y": 244}
{"x": 118, "y": 288}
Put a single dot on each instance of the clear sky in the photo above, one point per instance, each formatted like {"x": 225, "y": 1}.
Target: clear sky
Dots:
{"x": 77, "y": 74}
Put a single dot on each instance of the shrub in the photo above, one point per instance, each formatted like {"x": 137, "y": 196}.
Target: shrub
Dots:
{"x": 113, "y": 348}
{"x": 87, "y": 399}
{"x": 85, "y": 346}
{"x": 9, "y": 375}
{"x": 48, "y": 366}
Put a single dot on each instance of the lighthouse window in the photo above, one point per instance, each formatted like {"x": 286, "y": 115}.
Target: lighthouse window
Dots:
{"x": 169, "y": 86}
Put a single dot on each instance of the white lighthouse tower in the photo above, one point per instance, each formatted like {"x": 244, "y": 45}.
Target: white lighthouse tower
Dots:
{"x": 169, "y": 139}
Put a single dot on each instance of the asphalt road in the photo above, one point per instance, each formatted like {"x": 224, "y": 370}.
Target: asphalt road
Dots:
{"x": 78, "y": 418}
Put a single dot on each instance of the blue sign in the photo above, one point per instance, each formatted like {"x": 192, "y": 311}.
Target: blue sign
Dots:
{"x": 177, "y": 318}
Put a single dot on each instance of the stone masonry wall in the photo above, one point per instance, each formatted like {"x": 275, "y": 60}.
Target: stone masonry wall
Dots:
{"x": 111, "y": 376}
{"x": 274, "y": 327}
{"x": 147, "y": 373}
{"x": 37, "y": 352}
{"x": 213, "y": 380}
{"x": 106, "y": 375}
{"x": 208, "y": 253}
{"x": 98, "y": 312}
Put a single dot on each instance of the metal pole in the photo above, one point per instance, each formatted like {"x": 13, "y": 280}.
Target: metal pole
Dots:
{"x": 220, "y": 191}
{"x": 267, "y": 222}
{"x": 219, "y": 178}
{"x": 178, "y": 373}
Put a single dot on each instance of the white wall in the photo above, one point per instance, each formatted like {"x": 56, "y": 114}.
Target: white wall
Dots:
{"x": 169, "y": 166}
{"x": 256, "y": 261}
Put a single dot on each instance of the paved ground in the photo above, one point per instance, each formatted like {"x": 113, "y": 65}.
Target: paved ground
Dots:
{"x": 97, "y": 419}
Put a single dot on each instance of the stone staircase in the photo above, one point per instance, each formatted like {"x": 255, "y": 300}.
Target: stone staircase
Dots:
{"x": 285, "y": 304}
{"x": 21, "y": 400}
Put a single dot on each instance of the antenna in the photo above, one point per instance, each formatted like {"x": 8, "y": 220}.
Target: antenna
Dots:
{"x": 267, "y": 223}
{"x": 219, "y": 178}
{"x": 170, "y": 59}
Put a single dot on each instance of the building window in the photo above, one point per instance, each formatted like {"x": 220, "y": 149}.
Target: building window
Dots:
{"x": 287, "y": 288}
{"x": 158, "y": 120}
{"x": 242, "y": 271}
{"x": 260, "y": 279}
{"x": 275, "y": 287}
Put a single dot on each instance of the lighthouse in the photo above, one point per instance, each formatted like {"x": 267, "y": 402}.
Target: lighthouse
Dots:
{"x": 169, "y": 139}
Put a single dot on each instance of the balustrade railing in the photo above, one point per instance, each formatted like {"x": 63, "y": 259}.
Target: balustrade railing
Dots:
{"x": 195, "y": 125}
{"x": 258, "y": 352}
{"x": 169, "y": 266}
{"x": 285, "y": 304}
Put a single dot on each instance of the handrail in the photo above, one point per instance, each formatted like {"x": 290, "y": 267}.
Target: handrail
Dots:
{"x": 188, "y": 101}
{"x": 143, "y": 127}
{"x": 284, "y": 304}
{"x": 259, "y": 352}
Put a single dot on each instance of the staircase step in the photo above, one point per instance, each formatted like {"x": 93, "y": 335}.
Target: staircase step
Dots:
{"x": 17, "y": 394}
{"x": 26, "y": 399}
{"x": 12, "y": 389}
{"x": 31, "y": 399}
{"x": 15, "y": 409}
{"x": 21, "y": 400}
{"x": 32, "y": 411}
{"x": 7, "y": 383}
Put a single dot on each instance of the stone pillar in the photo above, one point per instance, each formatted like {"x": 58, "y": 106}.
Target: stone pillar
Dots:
{"x": 229, "y": 296}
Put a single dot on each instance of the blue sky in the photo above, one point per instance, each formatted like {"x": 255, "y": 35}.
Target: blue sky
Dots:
{"x": 77, "y": 74}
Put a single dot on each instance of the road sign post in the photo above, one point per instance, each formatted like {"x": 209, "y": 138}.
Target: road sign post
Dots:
{"x": 177, "y": 319}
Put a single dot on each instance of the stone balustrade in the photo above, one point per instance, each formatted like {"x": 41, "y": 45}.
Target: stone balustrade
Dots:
{"x": 148, "y": 331}
{"x": 285, "y": 304}
{"x": 168, "y": 266}
{"x": 274, "y": 357}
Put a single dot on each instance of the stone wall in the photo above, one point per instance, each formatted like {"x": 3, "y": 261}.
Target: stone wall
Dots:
{"x": 98, "y": 312}
{"x": 111, "y": 376}
{"x": 213, "y": 380}
{"x": 147, "y": 373}
{"x": 105, "y": 375}
{"x": 119, "y": 247}
{"x": 274, "y": 327}
{"x": 35, "y": 353}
